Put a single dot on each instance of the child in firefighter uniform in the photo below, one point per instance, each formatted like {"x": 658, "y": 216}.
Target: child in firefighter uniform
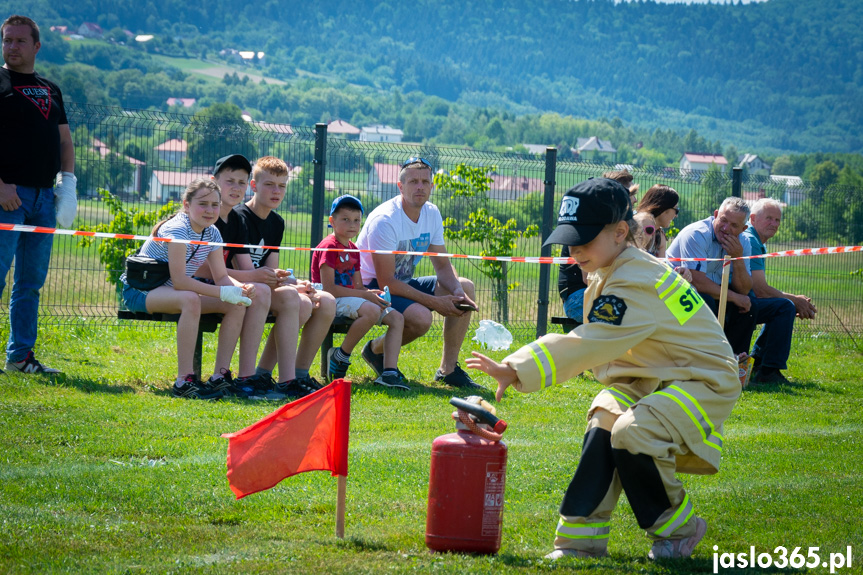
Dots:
{"x": 669, "y": 375}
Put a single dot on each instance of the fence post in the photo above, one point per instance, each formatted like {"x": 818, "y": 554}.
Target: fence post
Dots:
{"x": 318, "y": 187}
{"x": 736, "y": 181}
{"x": 545, "y": 251}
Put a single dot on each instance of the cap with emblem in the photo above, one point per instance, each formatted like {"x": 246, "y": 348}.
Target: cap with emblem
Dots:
{"x": 588, "y": 207}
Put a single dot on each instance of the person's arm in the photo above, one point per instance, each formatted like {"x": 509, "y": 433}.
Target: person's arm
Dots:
{"x": 705, "y": 285}
{"x": 9, "y": 199}
{"x": 803, "y": 304}
{"x": 741, "y": 280}
{"x": 244, "y": 270}
{"x": 67, "y": 150}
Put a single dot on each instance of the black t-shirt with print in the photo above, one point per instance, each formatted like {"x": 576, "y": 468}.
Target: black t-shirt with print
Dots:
{"x": 31, "y": 109}
{"x": 260, "y": 232}
{"x": 233, "y": 232}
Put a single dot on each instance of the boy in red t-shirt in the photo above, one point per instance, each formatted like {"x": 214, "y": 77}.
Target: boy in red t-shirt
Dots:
{"x": 339, "y": 273}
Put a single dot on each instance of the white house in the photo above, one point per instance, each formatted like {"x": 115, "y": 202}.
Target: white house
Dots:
{"x": 136, "y": 185}
{"x": 795, "y": 190}
{"x": 379, "y": 133}
{"x": 695, "y": 163}
{"x": 753, "y": 164}
{"x": 173, "y": 151}
{"x": 595, "y": 150}
{"x": 184, "y": 102}
{"x": 166, "y": 186}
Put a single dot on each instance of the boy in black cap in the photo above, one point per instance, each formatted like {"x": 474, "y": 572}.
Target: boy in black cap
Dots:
{"x": 339, "y": 273}
{"x": 669, "y": 374}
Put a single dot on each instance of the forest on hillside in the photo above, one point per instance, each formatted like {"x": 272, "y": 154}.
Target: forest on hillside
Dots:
{"x": 779, "y": 76}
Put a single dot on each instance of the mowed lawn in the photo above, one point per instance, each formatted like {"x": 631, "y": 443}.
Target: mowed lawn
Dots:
{"x": 101, "y": 471}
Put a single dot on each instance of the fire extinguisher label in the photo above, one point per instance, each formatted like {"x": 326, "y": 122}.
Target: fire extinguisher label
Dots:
{"x": 495, "y": 477}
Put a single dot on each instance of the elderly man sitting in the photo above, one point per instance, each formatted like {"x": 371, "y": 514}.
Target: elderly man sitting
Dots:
{"x": 715, "y": 237}
{"x": 774, "y": 342}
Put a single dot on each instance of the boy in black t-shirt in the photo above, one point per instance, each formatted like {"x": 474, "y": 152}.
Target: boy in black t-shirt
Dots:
{"x": 264, "y": 227}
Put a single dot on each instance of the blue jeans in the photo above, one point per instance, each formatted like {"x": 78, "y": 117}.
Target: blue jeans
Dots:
{"x": 32, "y": 254}
{"x": 774, "y": 342}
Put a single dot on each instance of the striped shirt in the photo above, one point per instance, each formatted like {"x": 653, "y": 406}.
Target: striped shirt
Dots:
{"x": 179, "y": 227}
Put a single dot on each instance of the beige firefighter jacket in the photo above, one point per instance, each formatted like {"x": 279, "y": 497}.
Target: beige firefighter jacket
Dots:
{"x": 650, "y": 339}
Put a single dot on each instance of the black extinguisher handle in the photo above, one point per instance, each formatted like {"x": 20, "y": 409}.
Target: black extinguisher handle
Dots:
{"x": 484, "y": 415}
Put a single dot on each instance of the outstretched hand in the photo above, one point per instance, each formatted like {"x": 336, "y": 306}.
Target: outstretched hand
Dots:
{"x": 504, "y": 374}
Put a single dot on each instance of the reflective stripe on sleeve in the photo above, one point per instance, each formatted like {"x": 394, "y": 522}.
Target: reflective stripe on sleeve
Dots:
{"x": 624, "y": 400}
{"x": 544, "y": 362}
{"x": 679, "y": 519}
{"x": 583, "y": 530}
{"x": 698, "y": 416}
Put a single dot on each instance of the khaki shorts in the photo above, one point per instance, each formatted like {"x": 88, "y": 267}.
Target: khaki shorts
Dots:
{"x": 349, "y": 307}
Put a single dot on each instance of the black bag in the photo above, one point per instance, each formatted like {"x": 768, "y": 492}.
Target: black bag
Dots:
{"x": 145, "y": 273}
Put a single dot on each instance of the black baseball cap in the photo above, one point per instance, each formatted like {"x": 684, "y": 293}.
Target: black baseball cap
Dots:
{"x": 587, "y": 208}
{"x": 233, "y": 162}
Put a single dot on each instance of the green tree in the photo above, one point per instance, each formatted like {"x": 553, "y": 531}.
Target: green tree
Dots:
{"x": 494, "y": 238}
{"x": 217, "y": 131}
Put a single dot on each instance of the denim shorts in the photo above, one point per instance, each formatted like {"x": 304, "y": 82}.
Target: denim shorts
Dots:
{"x": 573, "y": 307}
{"x": 135, "y": 299}
{"x": 425, "y": 284}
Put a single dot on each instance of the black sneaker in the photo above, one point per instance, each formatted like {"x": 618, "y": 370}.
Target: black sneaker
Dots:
{"x": 310, "y": 382}
{"x": 336, "y": 369}
{"x": 193, "y": 388}
{"x": 294, "y": 388}
{"x": 30, "y": 365}
{"x": 458, "y": 378}
{"x": 224, "y": 383}
{"x": 375, "y": 360}
{"x": 262, "y": 387}
{"x": 393, "y": 380}
{"x": 771, "y": 375}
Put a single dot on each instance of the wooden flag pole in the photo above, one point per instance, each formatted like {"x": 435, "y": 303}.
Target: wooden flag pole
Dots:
{"x": 340, "y": 507}
{"x": 723, "y": 294}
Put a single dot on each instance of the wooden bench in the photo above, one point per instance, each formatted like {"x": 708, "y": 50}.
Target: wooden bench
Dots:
{"x": 210, "y": 321}
{"x": 567, "y": 323}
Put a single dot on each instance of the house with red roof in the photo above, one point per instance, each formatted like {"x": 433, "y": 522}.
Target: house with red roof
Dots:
{"x": 695, "y": 164}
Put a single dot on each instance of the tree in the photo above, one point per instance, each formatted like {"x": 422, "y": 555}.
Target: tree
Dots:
{"x": 493, "y": 237}
{"x": 217, "y": 131}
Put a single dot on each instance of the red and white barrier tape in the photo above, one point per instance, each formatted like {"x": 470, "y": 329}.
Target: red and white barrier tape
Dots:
{"x": 516, "y": 259}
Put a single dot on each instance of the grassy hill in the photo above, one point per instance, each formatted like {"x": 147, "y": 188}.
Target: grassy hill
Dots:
{"x": 780, "y": 75}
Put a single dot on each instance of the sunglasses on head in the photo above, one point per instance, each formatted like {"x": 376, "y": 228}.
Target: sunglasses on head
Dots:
{"x": 649, "y": 230}
{"x": 676, "y": 209}
{"x": 417, "y": 161}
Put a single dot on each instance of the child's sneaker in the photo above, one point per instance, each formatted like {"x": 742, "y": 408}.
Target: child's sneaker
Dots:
{"x": 193, "y": 388}
{"x": 310, "y": 382}
{"x": 375, "y": 360}
{"x": 294, "y": 388}
{"x": 223, "y": 383}
{"x": 393, "y": 380}
{"x": 260, "y": 386}
{"x": 336, "y": 369}
{"x": 678, "y": 548}
{"x": 30, "y": 365}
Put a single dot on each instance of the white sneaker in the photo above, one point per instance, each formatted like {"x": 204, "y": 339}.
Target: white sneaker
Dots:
{"x": 30, "y": 365}
{"x": 558, "y": 553}
{"x": 677, "y": 548}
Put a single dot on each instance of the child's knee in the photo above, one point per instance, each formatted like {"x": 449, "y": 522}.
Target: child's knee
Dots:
{"x": 369, "y": 311}
{"x": 394, "y": 319}
{"x": 189, "y": 301}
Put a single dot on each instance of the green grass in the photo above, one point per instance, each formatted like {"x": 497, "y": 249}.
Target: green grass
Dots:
{"x": 103, "y": 472}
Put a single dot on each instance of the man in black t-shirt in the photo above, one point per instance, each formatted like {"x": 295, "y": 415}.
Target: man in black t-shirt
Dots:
{"x": 36, "y": 144}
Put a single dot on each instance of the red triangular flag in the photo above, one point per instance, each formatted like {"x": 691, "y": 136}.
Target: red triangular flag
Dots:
{"x": 310, "y": 434}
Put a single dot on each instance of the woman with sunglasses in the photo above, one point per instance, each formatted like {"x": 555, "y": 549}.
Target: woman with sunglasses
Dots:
{"x": 661, "y": 202}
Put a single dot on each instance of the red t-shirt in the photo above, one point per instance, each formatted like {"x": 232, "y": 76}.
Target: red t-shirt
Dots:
{"x": 345, "y": 264}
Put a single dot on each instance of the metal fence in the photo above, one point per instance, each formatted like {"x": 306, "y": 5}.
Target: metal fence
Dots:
{"x": 145, "y": 159}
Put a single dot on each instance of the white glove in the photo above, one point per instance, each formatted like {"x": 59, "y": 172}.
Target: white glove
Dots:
{"x": 233, "y": 294}
{"x": 65, "y": 199}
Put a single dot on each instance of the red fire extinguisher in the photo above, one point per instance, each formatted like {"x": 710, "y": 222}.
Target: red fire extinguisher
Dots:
{"x": 466, "y": 484}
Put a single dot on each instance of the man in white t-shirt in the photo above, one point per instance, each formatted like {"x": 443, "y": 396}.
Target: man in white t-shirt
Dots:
{"x": 408, "y": 222}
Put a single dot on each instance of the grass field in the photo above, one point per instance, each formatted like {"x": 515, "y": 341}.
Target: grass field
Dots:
{"x": 103, "y": 472}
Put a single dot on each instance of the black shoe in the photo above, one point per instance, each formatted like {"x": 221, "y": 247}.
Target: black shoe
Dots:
{"x": 193, "y": 388}
{"x": 310, "y": 382}
{"x": 261, "y": 386}
{"x": 294, "y": 388}
{"x": 756, "y": 363}
{"x": 771, "y": 375}
{"x": 458, "y": 378}
{"x": 224, "y": 383}
{"x": 375, "y": 360}
{"x": 393, "y": 380}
